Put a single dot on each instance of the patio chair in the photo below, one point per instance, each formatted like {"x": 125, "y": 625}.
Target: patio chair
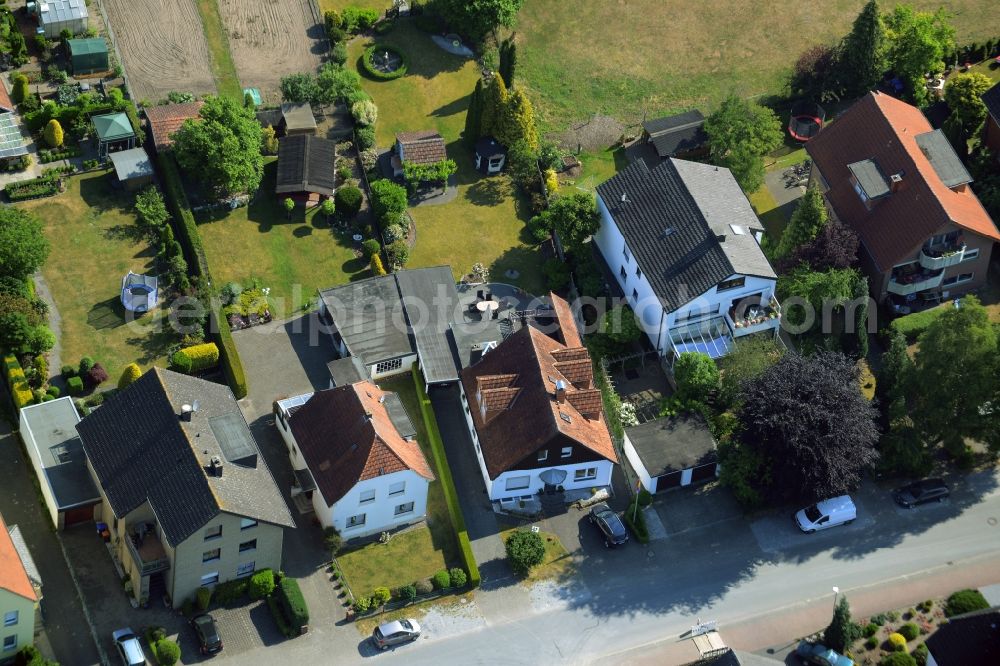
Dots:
{"x": 489, "y": 296}
{"x": 481, "y": 295}
{"x": 473, "y": 309}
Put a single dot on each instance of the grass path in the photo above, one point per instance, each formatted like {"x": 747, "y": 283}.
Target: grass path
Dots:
{"x": 223, "y": 68}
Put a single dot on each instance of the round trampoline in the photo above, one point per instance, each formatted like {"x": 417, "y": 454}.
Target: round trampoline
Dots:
{"x": 806, "y": 121}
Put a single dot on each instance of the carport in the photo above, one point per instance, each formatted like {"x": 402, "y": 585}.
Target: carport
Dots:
{"x": 672, "y": 452}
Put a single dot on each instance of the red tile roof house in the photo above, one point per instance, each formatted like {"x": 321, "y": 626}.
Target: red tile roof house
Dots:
{"x": 536, "y": 419}
{"x": 166, "y": 119}
{"x": 899, "y": 184}
{"x": 355, "y": 458}
{"x": 424, "y": 147}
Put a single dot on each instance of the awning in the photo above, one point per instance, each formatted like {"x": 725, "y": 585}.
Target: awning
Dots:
{"x": 553, "y": 476}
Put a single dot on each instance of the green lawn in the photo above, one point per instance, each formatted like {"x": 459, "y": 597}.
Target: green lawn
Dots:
{"x": 625, "y": 59}
{"x": 485, "y": 223}
{"x": 91, "y": 229}
{"x": 770, "y": 214}
{"x": 557, "y": 562}
{"x": 227, "y": 82}
{"x": 339, "y": 5}
{"x": 418, "y": 553}
{"x": 293, "y": 257}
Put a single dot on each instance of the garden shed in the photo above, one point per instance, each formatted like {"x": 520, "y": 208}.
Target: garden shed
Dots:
{"x": 671, "y": 452}
{"x": 297, "y": 119}
{"x": 54, "y": 16}
{"x": 114, "y": 132}
{"x": 306, "y": 167}
{"x": 88, "y": 55}
{"x": 490, "y": 156}
{"x": 133, "y": 168}
{"x": 139, "y": 292}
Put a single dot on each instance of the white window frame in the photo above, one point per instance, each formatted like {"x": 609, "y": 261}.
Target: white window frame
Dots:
{"x": 10, "y": 618}
{"x": 207, "y": 557}
{"x": 210, "y": 579}
{"x": 518, "y": 482}
{"x": 957, "y": 279}
{"x": 401, "y": 509}
{"x": 401, "y": 485}
{"x": 12, "y": 639}
{"x": 211, "y": 534}
{"x": 543, "y": 455}
{"x": 250, "y": 548}
{"x": 366, "y": 496}
{"x": 970, "y": 255}
{"x": 567, "y": 452}
{"x": 356, "y": 521}
{"x": 391, "y": 365}
{"x": 585, "y": 474}
{"x": 242, "y": 571}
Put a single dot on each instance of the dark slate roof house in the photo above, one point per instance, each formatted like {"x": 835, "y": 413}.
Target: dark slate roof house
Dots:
{"x": 673, "y": 136}
{"x": 972, "y": 639}
{"x": 306, "y": 165}
{"x": 672, "y": 451}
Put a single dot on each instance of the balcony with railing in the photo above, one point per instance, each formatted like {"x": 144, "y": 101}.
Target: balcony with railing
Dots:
{"x": 936, "y": 257}
{"x": 146, "y": 550}
{"x": 754, "y": 318}
{"x": 911, "y": 280}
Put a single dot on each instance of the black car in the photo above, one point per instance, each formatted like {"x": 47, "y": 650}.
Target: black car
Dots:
{"x": 209, "y": 640}
{"x": 611, "y": 526}
{"x": 919, "y": 492}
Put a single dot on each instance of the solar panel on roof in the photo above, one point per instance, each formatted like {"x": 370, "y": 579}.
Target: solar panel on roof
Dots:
{"x": 11, "y": 141}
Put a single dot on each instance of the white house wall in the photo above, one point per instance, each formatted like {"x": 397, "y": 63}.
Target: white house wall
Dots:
{"x": 407, "y": 363}
{"x": 294, "y": 455}
{"x": 633, "y": 457}
{"x": 380, "y": 512}
{"x": 36, "y": 463}
{"x": 715, "y": 302}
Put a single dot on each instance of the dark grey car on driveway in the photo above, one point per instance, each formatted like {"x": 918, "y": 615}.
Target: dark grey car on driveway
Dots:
{"x": 610, "y": 524}
{"x": 920, "y": 492}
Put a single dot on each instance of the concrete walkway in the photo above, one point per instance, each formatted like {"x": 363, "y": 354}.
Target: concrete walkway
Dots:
{"x": 55, "y": 323}
{"x": 66, "y": 627}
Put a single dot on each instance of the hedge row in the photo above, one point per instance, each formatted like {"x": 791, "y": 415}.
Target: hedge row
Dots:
{"x": 232, "y": 366}
{"x": 46, "y": 156}
{"x": 912, "y": 325}
{"x": 447, "y": 483}
{"x": 196, "y": 358}
{"x": 184, "y": 225}
{"x": 638, "y": 526}
{"x": 18, "y": 383}
{"x": 43, "y": 186}
{"x": 293, "y": 604}
{"x": 369, "y": 67}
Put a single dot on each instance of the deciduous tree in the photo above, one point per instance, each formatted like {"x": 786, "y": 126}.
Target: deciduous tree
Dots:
{"x": 697, "y": 376}
{"x": 836, "y": 246}
{"x": 806, "y": 417}
{"x": 747, "y": 360}
{"x": 918, "y": 41}
{"x": 299, "y": 88}
{"x": 963, "y": 93}
{"x": 23, "y": 246}
{"x": 574, "y": 217}
{"x": 476, "y": 18}
{"x": 621, "y": 325}
{"x": 223, "y": 147}
{"x": 740, "y": 132}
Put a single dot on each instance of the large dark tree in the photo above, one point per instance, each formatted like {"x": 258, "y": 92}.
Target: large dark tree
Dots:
{"x": 843, "y": 631}
{"x": 836, "y": 246}
{"x": 863, "y": 51}
{"x": 474, "y": 116}
{"x": 574, "y": 217}
{"x": 476, "y": 18}
{"x": 23, "y": 246}
{"x": 813, "y": 76}
{"x": 806, "y": 417}
{"x": 223, "y": 148}
{"x": 955, "y": 376}
{"x": 508, "y": 60}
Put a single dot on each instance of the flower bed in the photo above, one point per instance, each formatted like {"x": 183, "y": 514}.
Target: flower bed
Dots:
{"x": 903, "y": 630}
{"x": 376, "y": 51}
{"x": 43, "y": 186}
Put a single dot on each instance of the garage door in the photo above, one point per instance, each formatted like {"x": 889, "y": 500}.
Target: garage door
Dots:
{"x": 703, "y": 473}
{"x": 668, "y": 481}
{"x": 80, "y": 514}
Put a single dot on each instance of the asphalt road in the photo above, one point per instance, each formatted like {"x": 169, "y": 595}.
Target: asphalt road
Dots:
{"x": 722, "y": 573}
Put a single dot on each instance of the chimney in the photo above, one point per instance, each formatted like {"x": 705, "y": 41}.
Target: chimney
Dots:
{"x": 186, "y": 412}
{"x": 215, "y": 465}
{"x": 896, "y": 182}
{"x": 368, "y": 416}
{"x": 560, "y": 391}
{"x": 721, "y": 238}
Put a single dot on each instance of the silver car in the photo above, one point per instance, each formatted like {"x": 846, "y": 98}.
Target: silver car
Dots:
{"x": 395, "y": 633}
{"x": 128, "y": 646}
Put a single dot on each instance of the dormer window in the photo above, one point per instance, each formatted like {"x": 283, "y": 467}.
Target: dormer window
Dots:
{"x": 735, "y": 283}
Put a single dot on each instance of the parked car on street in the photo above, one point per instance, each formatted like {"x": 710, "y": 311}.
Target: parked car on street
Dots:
{"x": 128, "y": 647}
{"x": 610, "y": 524}
{"x": 395, "y": 633}
{"x": 820, "y": 655}
{"x": 919, "y": 492}
{"x": 209, "y": 640}
{"x": 826, "y": 514}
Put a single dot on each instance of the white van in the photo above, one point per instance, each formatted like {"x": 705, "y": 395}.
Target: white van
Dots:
{"x": 828, "y": 513}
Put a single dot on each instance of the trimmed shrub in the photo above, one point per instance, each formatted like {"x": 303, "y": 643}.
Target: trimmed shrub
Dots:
{"x": 203, "y": 597}
{"x": 167, "y": 652}
{"x": 17, "y": 382}
{"x": 230, "y": 591}
{"x": 408, "y": 593}
{"x": 897, "y": 659}
{"x": 912, "y": 325}
{"x": 442, "y": 580}
{"x": 293, "y": 604}
{"x": 645, "y": 498}
{"x": 371, "y": 247}
{"x": 74, "y": 385}
{"x": 879, "y": 619}
{"x": 524, "y": 551}
{"x": 229, "y": 357}
{"x": 909, "y": 631}
{"x": 362, "y": 605}
{"x": 53, "y": 134}
{"x": 131, "y": 373}
{"x": 365, "y": 112}
{"x": 68, "y": 371}
{"x": 376, "y": 265}
{"x": 86, "y": 363}
{"x": 398, "y": 253}
{"x": 348, "y": 200}
{"x": 53, "y": 391}
{"x": 424, "y": 586}
{"x": 871, "y": 642}
{"x": 871, "y": 629}
{"x": 965, "y": 601}
{"x": 381, "y": 596}
{"x": 196, "y": 358}
{"x": 366, "y": 137}
{"x": 368, "y": 64}
{"x": 97, "y": 375}
{"x": 332, "y": 540}
{"x": 638, "y": 525}
{"x": 458, "y": 577}
{"x": 897, "y": 642}
{"x": 919, "y": 654}
{"x": 261, "y": 584}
